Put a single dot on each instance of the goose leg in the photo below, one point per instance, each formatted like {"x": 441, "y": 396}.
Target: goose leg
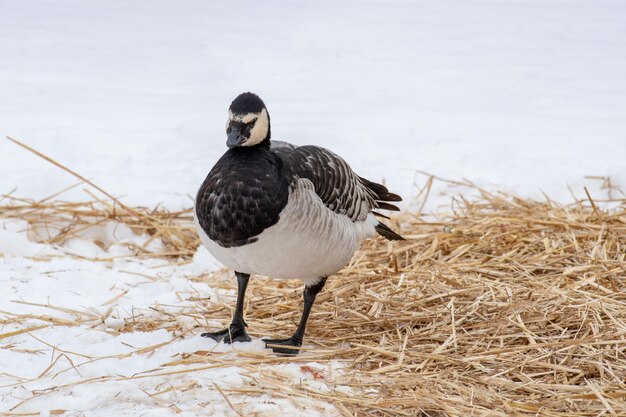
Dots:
{"x": 286, "y": 346}
{"x": 236, "y": 332}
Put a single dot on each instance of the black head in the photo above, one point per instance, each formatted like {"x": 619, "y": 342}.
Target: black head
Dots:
{"x": 248, "y": 121}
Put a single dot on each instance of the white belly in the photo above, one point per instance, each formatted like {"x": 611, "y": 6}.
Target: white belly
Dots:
{"x": 309, "y": 240}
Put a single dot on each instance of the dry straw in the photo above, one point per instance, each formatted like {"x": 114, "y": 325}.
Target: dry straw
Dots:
{"x": 503, "y": 307}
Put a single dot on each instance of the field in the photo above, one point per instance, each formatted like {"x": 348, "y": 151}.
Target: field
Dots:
{"x": 502, "y": 306}
{"x": 501, "y": 124}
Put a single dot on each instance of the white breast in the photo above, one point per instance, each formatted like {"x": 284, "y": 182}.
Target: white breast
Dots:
{"x": 308, "y": 241}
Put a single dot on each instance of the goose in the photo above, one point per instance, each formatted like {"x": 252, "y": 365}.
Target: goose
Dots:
{"x": 287, "y": 212}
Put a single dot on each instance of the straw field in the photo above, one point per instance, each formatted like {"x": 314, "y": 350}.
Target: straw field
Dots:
{"x": 501, "y": 307}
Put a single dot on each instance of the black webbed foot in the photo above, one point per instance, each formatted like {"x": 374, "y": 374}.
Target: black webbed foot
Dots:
{"x": 285, "y": 346}
{"x": 233, "y": 333}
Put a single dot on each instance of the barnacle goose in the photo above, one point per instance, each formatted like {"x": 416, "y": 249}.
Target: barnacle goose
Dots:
{"x": 274, "y": 209}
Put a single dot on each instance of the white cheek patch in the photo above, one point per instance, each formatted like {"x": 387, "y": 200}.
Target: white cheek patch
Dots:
{"x": 259, "y": 130}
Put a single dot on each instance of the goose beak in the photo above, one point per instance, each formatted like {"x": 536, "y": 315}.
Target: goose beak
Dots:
{"x": 235, "y": 138}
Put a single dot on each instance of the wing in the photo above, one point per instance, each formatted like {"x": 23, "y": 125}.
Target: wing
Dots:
{"x": 341, "y": 190}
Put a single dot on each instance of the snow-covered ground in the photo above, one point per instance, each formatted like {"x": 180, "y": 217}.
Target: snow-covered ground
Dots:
{"x": 70, "y": 356}
{"x": 524, "y": 95}
{"x": 518, "y": 95}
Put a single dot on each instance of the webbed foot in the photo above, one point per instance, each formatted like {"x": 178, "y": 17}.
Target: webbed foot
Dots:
{"x": 284, "y": 346}
{"x": 233, "y": 333}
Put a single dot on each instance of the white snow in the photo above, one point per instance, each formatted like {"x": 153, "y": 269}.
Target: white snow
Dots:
{"x": 525, "y": 96}
{"x": 82, "y": 364}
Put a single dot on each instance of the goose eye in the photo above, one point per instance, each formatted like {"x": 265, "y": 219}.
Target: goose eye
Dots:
{"x": 248, "y": 127}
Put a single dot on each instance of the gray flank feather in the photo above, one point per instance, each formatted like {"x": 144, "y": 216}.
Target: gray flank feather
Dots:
{"x": 341, "y": 190}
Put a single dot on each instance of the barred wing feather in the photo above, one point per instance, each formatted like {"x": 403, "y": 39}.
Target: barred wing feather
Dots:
{"x": 341, "y": 190}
